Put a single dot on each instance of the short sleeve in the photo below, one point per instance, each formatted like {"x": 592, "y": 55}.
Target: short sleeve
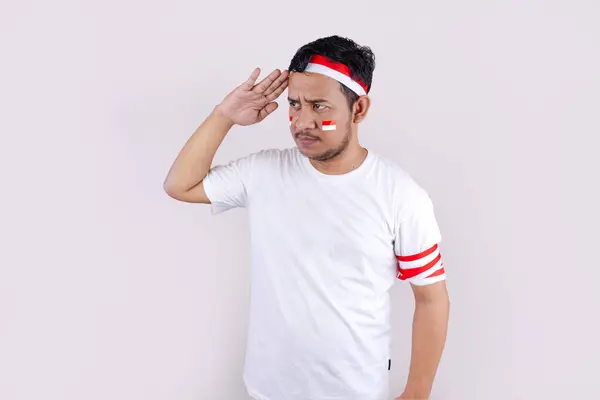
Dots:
{"x": 417, "y": 241}
{"x": 227, "y": 185}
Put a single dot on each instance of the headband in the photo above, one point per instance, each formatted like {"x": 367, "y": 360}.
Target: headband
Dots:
{"x": 338, "y": 71}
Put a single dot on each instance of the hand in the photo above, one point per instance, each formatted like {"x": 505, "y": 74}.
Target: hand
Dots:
{"x": 250, "y": 103}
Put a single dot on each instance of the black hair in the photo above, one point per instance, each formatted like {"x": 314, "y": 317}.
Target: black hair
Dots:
{"x": 359, "y": 59}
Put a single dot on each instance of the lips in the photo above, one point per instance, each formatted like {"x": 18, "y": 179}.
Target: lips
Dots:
{"x": 305, "y": 140}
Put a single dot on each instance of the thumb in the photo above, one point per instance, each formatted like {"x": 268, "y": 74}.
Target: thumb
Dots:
{"x": 268, "y": 109}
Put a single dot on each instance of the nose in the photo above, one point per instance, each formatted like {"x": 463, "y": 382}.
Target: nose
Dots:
{"x": 304, "y": 121}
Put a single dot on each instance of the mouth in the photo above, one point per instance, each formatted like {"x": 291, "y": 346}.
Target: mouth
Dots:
{"x": 306, "y": 140}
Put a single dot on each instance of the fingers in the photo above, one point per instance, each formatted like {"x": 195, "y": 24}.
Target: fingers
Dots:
{"x": 277, "y": 83}
{"x": 268, "y": 109}
{"x": 266, "y": 82}
{"x": 249, "y": 84}
{"x": 278, "y": 90}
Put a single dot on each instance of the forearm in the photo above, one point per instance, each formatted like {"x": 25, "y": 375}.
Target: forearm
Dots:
{"x": 195, "y": 158}
{"x": 428, "y": 340}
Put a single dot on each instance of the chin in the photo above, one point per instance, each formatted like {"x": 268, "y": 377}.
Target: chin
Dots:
{"x": 315, "y": 155}
{"x": 306, "y": 152}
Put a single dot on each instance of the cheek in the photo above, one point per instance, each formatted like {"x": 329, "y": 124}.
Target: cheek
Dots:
{"x": 333, "y": 121}
{"x": 328, "y": 125}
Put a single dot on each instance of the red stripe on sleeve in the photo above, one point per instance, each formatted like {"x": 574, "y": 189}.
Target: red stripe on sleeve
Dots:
{"x": 418, "y": 256}
{"x": 408, "y": 273}
{"x": 437, "y": 273}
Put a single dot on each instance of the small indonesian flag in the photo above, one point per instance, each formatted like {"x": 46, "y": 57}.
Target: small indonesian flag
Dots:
{"x": 291, "y": 120}
{"x": 422, "y": 268}
{"x": 328, "y": 125}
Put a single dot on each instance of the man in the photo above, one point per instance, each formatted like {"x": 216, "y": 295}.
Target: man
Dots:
{"x": 333, "y": 226}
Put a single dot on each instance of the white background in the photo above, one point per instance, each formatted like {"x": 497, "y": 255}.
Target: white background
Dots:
{"x": 111, "y": 290}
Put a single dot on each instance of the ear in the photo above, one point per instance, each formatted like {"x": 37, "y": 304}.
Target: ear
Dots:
{"x": 360, "y": 109}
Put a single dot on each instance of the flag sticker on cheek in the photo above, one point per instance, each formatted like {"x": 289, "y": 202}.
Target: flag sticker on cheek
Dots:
{"x": 291, "y": 120}
{"x": 328, "y": 125}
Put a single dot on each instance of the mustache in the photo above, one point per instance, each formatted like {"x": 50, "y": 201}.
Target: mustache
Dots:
{"x": 305, "y": 135}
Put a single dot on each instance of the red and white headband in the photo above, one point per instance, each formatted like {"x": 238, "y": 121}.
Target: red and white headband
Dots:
{"x": 336, "y": 70}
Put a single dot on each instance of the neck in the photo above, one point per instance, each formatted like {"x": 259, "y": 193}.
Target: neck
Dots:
{"x": 346, "y": 161}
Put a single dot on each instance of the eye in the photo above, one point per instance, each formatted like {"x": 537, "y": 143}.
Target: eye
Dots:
{"x": 318, "y": 106}
{"x": 293, "y": 103}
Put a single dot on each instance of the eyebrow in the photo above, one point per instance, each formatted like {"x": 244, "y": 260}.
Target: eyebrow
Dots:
{"x": 312, "y": 101}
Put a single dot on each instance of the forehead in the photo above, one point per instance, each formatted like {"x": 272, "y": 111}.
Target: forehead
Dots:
{"x": 309, "y": 84}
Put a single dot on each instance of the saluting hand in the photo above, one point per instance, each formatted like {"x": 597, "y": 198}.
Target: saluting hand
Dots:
{"x": 252, "y": 102}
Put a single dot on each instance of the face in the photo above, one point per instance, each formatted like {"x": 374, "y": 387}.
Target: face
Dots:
{"x": 321, "y": 121}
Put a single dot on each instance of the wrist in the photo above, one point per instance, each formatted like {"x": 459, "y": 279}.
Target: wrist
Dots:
{"x": 222, "y": 117}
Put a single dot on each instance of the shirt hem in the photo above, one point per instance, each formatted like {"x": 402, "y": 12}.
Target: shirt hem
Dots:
{"x": 255, "y": 395}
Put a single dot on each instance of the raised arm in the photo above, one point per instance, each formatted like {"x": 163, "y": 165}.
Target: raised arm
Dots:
{"x": 247, "y": 104}
{"x": 184, "y": 180}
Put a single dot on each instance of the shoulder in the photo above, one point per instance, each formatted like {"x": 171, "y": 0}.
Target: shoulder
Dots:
{"x": 255, "y": 166}
{"x": 261, "y": 158}
{"x": 273, "y": 155}
{"x": 270, "y": 160}
{"x": 408, "y": 195}
{"x": 399, "y": 180}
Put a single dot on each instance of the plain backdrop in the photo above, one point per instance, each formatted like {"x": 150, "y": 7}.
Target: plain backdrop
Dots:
{"x": 109, "y": 289}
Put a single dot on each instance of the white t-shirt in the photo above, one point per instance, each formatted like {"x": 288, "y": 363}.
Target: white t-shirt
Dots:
{"x": 325, "y": 251}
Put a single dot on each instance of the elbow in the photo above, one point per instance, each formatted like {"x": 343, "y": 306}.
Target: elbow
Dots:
{"x": 172, "y": 190}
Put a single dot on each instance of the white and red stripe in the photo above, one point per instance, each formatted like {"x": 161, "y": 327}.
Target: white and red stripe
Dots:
{"x": 328, "y": 125}
{"x": 423, "y": 268}
{"x": 291, "y": 118}
{"x": 338, "y": 71}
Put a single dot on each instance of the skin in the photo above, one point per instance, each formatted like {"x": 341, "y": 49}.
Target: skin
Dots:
{"x": 312, "y": 99}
